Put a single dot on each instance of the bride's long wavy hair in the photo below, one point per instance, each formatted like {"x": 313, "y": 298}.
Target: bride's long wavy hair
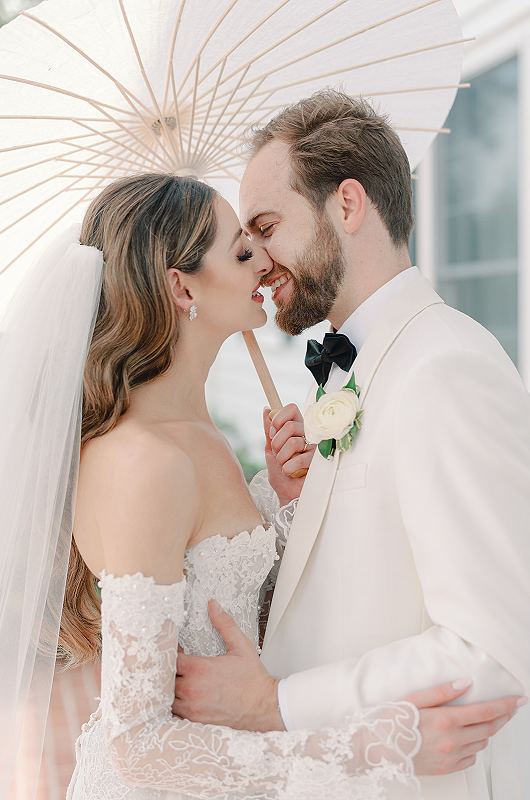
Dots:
{"x": 143, "y": 224}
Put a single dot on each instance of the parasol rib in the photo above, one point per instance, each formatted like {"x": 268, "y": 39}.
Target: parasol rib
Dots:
{"x": 88, "y": 100}
{"x": 42, "y": 233}
{"x": 148, "y": 85}
{"x": 177, "y": 113}
{"x": 125, "y": 93}
{"x": 128, "y": 146}
{"x": 48, "y": 228}
{"x": 193, "y": 104}
{"x": 268, "y": 50}
{"x": 67, "y": 92}
{"x": 199, "y": 155}
{"x": 422, "y": 130}
{"x": 172, "y": 53}
{"x": 276, "y": 107}
{"x": 207, "y": 115}
{"x": 208, "y": 38}
{"x": 64, "y": 174}
{"x": 116, "y": 157}
{"x": 229, "y": 120}
{"x": 37, "y": 164}
{"x": 48, "y": 116}
{"x": 354, "y": 67}
{"x": 43, "y": 203}
{"x": 48, "y": 141}
{"x": 341, "y": 40}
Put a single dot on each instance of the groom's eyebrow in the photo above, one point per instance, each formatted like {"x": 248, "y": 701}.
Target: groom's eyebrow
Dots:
{"x": 252, "y": 221}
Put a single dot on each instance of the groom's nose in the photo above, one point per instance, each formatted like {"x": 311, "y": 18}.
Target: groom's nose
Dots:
{"x": 263, "y": 262}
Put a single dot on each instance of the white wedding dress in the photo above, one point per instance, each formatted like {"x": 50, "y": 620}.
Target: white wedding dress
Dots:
{"x": 132, "y": 746}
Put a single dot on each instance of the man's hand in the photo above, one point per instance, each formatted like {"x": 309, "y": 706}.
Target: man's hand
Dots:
{"x": 453, "y": 735}
{"x": 286, "y": 451}
{"x": 234, "y": 690}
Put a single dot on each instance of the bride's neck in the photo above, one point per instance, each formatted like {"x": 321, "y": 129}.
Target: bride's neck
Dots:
{"x": 179, "y": 394}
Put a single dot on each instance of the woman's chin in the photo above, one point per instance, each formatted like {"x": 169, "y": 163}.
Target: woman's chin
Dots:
{"x": 258, "y": 320}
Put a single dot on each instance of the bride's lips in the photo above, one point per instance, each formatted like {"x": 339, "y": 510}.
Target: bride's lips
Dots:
{"x": 257, "y": 297}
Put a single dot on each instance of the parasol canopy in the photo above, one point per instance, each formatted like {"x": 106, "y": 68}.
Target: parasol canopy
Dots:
{"x": 93, "y": 90}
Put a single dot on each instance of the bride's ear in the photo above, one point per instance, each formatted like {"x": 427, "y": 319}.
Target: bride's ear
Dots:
{"x": 180, "y": 289}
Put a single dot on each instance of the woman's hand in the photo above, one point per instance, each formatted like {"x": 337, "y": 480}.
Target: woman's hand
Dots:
{"x": 286, "y": 451}
{"x": 453, "y": 735}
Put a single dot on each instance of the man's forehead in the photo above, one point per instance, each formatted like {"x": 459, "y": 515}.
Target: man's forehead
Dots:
{"x": 264, "y": 182}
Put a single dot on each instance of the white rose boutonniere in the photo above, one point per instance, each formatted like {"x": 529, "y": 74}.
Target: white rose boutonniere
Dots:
{"x": 334, "y": 419}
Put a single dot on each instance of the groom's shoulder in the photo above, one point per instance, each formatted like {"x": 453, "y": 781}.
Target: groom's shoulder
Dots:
{"x": 445, "y": 347}
{"x": 442, "y": 330}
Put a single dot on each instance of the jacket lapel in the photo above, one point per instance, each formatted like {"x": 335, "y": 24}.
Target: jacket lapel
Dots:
{"x": 306, "y": 524}
{"x": 314, "y": 499}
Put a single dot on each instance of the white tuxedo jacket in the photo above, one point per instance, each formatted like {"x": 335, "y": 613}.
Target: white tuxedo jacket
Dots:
{"x": 408, "y": 561}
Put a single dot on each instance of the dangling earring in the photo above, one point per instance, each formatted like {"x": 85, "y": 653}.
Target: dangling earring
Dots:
{"x": 193, "y": 312}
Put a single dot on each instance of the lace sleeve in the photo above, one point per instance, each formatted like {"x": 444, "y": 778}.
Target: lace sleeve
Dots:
{"x": 267, "y": 503}
{"x": 149, "y": 748}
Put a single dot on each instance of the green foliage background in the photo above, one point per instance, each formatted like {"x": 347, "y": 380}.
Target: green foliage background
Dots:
{"x": 249, "y": 466}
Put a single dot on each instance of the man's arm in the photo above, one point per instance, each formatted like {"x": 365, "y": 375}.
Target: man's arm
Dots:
{"x": 235, "y": 690}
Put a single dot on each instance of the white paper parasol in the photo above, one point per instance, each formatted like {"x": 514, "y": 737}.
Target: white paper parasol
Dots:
{"x": 96, "y": 89}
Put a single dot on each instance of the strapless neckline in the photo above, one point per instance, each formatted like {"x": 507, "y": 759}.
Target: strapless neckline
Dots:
{"x": 217, "y": 539}
{"x": 226, "y": 541}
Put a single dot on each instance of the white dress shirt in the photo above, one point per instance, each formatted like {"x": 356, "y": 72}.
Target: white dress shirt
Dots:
{"x": 359, "y": 324}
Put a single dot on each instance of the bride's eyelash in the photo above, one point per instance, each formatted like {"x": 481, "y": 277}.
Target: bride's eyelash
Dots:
{"x": 246, "y": 255}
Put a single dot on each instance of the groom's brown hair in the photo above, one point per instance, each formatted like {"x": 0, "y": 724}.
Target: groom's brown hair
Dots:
{"x": 332, "y": 137}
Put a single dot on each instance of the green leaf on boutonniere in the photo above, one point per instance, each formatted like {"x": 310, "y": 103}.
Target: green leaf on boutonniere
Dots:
{"x": 358, "y": 420}
{"x": 352, "y": 385}
{"x": 320, "y": 392}
{"x": 345, "y": 443}
{"x": 326, "y": 447}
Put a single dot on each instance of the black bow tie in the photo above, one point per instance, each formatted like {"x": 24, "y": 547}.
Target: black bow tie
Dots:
{"x": 336, "y": 349}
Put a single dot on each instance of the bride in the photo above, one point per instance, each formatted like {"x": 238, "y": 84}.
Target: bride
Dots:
{"x": 164, "y": 522}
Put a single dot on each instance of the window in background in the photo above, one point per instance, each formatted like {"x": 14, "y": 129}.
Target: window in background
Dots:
{"x": 413, "y": 236}
{"x": 10, "y": 8}
{"x": 477, "y": 184}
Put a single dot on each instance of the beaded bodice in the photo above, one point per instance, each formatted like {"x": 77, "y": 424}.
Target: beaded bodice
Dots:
{"x": 231, "y": 571}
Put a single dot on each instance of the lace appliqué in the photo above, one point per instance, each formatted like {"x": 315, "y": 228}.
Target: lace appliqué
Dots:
{"x": 268, "y": 504}
{"x": 152, "y": 750}
{"x": 231, "y": 571}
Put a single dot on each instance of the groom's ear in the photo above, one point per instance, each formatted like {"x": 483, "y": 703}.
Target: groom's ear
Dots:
{"x": 351, "y": 203}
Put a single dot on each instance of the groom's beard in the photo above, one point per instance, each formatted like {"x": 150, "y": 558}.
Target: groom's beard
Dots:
{"x": 316, "y": 284}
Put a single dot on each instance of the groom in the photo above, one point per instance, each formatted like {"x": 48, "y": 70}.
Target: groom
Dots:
{"x": 408, "y": 560}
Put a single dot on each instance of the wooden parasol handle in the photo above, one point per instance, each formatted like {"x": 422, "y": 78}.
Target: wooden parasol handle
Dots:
{"x": 271, "y": 393}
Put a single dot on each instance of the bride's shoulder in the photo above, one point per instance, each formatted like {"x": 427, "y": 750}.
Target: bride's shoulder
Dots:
{"x": 135, "y": 451}
{"x": 144, "y": 497}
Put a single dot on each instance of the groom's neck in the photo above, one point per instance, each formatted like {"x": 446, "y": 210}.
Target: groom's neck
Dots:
{"x": 363, "y": 277}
